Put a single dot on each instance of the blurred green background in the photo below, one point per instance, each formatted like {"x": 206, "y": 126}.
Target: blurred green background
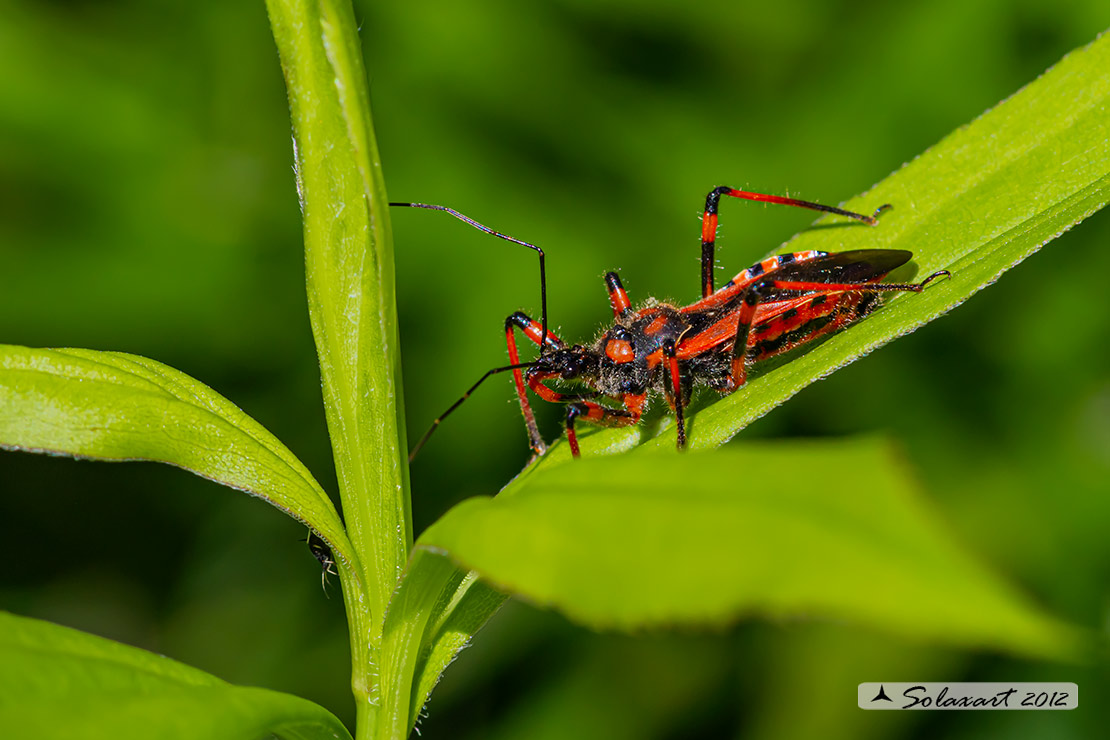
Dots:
{"x": 147, "y": 205}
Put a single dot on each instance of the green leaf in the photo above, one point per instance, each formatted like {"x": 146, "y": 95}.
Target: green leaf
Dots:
{"x": 424, "y": 589}
{"x": 58, "y": 682}
{"x": 456, "y": 619}
{"x": 979, "y": 202}
{"x": 832, "y": 530}
{"x": 349, "y": 259}
{"x": 114, "y": 406}
{"x": 435, "y": 611}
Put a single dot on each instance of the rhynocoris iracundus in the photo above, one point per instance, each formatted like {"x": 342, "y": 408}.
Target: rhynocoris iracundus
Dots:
{"x": 770, "y": 308}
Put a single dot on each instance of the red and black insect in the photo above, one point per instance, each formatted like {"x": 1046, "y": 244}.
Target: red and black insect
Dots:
{"x": 770, "y": 308}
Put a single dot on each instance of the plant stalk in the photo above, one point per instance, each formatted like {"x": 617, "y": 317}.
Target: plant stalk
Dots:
{"x": 351, "y": 297}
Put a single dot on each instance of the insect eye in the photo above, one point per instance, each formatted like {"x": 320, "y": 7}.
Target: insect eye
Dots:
{"x": 575, "y": 364}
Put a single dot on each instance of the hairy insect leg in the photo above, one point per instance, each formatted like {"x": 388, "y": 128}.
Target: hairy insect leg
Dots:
{"x": 618, "y": 298}
{"x": 862, "y": 287}
{"x": 675, "y": 392}
{"x": 753, "y": 296}
{"x": 534, "y": 331}
{"x": 598, "y": 414}
{"x": 709, "y": 222}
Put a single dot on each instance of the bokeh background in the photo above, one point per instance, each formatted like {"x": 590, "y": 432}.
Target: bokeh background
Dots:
{"x": 147, "y": 205}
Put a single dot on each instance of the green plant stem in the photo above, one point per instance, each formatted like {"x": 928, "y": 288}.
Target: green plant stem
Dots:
{"x": 349, "y": 265}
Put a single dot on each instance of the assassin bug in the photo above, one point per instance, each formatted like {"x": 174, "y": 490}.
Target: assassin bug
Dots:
{"x": 768, "y": 309}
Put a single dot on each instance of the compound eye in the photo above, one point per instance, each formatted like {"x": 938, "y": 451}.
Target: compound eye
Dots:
{"x": 575, "y": 364}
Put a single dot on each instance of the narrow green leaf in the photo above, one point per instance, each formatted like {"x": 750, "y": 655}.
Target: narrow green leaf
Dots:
{"x": 419, "y": 600}
{"x": 456, "y": 619}
{"x": 436, "y": 610}
{"x": 58, "y": 682}
{"x": 832, "y": 530}
{"x": 979, "y": 202}
{"x": 113, "y": 406}
{"x": 349, "y": 258}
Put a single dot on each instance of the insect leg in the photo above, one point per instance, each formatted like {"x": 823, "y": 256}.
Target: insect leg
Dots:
{"x": 323, "y": 554}
{"x": 534, "y": 331}
{"x": 598, "y": 414}
{"x": 618, "y": 298}
{"x": 676, "y": 391}
{"x": 863, "y": 287}
{"x": 709, "y": 223}
{"x": 753, "y": 296}
{"x": 758, "y": 292}
{"x": 677, "y": 395}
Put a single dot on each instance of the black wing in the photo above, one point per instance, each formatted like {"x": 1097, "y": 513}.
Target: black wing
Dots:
{"x": 855, "y": 266}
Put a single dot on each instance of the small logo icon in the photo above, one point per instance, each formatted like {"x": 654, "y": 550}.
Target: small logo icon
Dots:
{"x": 961, "y": 695}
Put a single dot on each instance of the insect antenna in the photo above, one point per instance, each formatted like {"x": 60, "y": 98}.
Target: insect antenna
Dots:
{"x": 419, "y": 445}
{"x": 499, "y": 235}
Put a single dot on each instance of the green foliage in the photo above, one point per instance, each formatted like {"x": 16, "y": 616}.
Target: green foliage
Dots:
{"x": 827, "y": 529}
{"x": 114, "y": 406}
{"x": 638, "y": 541}
{"x": 59, "y": 682}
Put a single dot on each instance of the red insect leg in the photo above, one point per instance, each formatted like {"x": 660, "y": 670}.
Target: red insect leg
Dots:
{"x": 779, "y": 337}
{"x": 745, "y": 318}
{"x": 746, "y": 277}
{"x": 533, "y": 330}
{"x": 676, "y": 393}
{"x": 709, "y": 223}
{"x": 598, "y": 414}
{"x": 618, "y": 298}
{"x": 845, "y": 297}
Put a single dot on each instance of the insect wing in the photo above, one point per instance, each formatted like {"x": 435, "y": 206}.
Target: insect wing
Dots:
{"x": 855, "y": 266}
{"x": 859, "y": 266}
